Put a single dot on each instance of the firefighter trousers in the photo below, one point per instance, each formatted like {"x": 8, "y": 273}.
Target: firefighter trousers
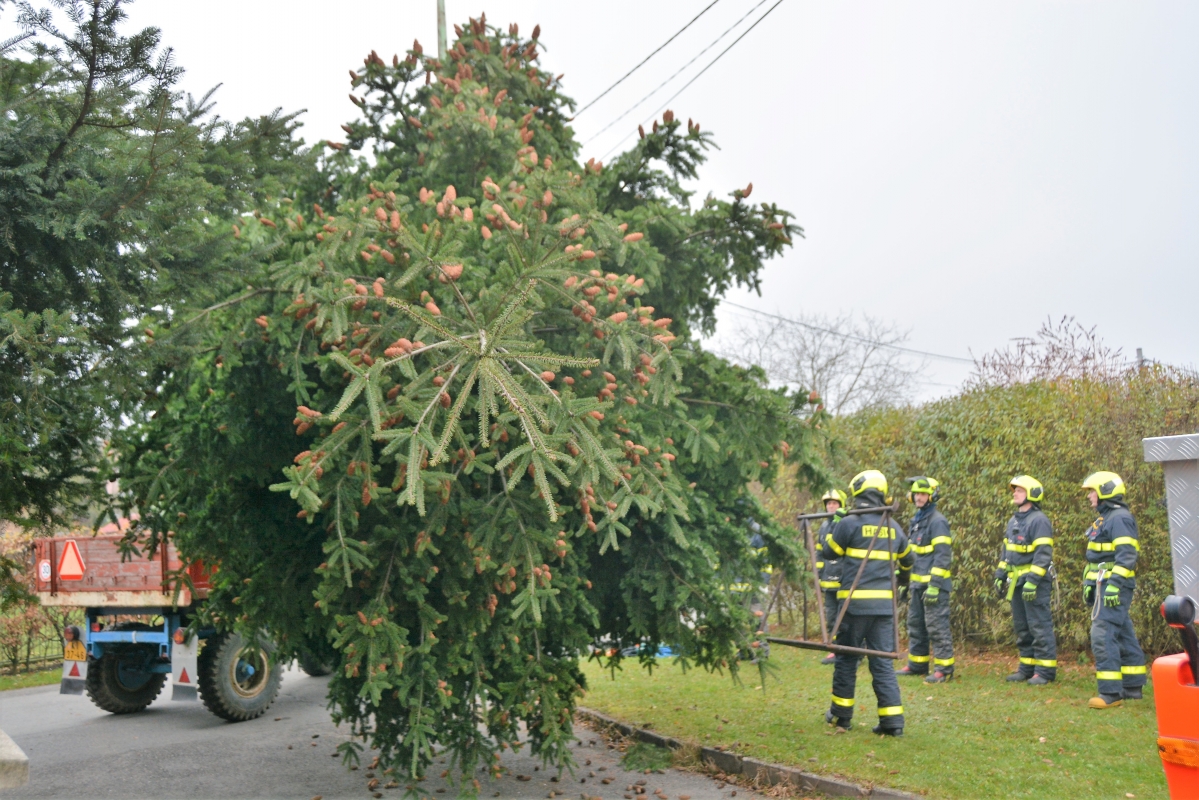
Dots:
{"x": 928, "y": 623}
{"x": 1035, "y": 639}
{"x": 875, "y": 633}
{"x": 1119, "y": 660}
{"x": 830, "y": 610}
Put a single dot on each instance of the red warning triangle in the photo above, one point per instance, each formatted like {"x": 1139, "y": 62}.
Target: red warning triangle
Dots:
{"x": 74, "y": 673}
{"x": 183, "y": 678}
{"x": 70, "y": 566}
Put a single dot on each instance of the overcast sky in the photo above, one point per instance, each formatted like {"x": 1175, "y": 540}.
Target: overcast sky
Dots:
{"x": 964, "y": 169}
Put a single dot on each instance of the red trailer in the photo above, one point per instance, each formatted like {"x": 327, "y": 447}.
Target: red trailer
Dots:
{"x": 122, "y": 664}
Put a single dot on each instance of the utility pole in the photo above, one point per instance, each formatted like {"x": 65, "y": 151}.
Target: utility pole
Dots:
{"x": 441, "y": 31}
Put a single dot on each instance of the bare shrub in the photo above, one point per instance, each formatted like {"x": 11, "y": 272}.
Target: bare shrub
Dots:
{"x": 1058, "y": 351}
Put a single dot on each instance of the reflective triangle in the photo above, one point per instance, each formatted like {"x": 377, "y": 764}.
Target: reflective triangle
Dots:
{"x": 183, "y": 678}
{"x": 70, "y": 566}
{"x": 74, "y": 673}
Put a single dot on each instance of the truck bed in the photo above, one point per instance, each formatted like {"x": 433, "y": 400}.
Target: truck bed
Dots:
{"x": 105, "y": 580}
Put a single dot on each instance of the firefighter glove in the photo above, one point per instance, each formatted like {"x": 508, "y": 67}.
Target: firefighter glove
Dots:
{"x": 838, "y": 515}
{"x": 903, "y": 593}
{"x": 932, "y": 594}
{"x": 1111, "y": 596}
{"x": 1088, "y": 594}
{"x": 1030, "y": 592}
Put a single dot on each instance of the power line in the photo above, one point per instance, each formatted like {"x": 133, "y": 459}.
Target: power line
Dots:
{"x": 647, "y": 58}
{"x": 679, "y": 71}
{"x": 701, "y": 72}
{"x": 850, "y": 336}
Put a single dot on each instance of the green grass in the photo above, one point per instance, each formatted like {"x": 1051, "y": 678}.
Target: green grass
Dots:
{"x": 641, "y": 756}
{"x": 24, "y": 680}
{"x": 975, "y": 737}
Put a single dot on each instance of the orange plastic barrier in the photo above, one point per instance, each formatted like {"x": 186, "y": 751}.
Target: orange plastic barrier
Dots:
{"x": 1177, "y": 699}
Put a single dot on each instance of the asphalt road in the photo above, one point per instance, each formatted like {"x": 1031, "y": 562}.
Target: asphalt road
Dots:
{"x": 179, "y": 750}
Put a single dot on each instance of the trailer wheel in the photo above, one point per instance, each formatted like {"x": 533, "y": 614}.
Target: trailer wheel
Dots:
{"x": 313, "y": 665}
{"x": 237, "y": 680}
{"x": 119, "y": 681}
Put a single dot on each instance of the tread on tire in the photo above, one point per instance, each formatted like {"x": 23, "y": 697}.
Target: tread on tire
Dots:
{"x": 104, "y": 684}
{"x": 225, "y": 687}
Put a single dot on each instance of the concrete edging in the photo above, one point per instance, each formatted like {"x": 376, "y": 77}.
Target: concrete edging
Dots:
{"x": 14, "y": 764}
{"x": 759, "y": 772}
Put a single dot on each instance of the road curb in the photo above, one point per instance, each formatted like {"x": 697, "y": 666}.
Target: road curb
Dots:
{"x": 14, "y": 765}
{"x": 759, "y": 772}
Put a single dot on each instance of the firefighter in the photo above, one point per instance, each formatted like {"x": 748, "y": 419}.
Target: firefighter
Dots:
{"x": 867, "y": 622}
{"x": 828, "y": 569}
{"x": 928, "y": 602}
{"x": 1108, "y": 582}
{"x": 1023, "y": 578}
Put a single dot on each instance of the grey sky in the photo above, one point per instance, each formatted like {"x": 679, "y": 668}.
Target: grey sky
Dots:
{"x": 966, "y": 169}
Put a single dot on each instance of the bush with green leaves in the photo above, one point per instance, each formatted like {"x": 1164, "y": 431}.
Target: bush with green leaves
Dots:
{"x": 1059, "y": 432}
{"x": 455, "y": 433}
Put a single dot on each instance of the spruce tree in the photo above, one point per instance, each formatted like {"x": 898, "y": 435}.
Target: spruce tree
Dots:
{"x": 455, "y": 434}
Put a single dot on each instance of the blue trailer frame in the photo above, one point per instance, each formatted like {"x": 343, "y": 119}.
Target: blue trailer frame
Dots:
{"x": 96, "y": 640}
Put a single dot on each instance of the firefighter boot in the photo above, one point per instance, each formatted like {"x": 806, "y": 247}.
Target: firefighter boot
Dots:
{"x": 1133, "y": 694}
{"x": 907, "y": 670}
{"x": 881, "y": 731}
{"x": 1017, "y": 677}
{"x": 843, "y": 725}
{"x": 1038, "y": 680}
{"x": 1105, "y": 701}
{"x": 831, "y": 658}
{"x": 939, "y": 677}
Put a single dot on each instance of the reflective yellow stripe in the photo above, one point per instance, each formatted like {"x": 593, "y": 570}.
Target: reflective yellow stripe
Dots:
{"x": 741, "y": 587}
{"x": 1101, "y": 547}
{"x": 1028, "y": 661}
{"x": 1003, "y": 565}
{"x": 1018, "y": 548}
{"x": 1020, "y": 570}
{"x": 865, "y": 594}
{"x": 1033, "y": 568}
{"x": 830, "y": 584}
{"x": 1121, "y": 571}
{"x": 1044, "y": 540}
{"x": 943, "y": 662}
{"x": 922, "y": 550}
{"x": 941, "y": 573}
{"x": 819, "y": 565}
{"x": 841, "y": 701}
{"x": 768, "y": 569}
{"x": 1046, "y": 662}
{"x": 918, "y": 659}
{"x": 1119, "y": 540}
{"x": 1108, "y": 676}
{"x": 942, "y": 540}
{"x": 921, "y": 578}
{"x": 890, "y": 711}
{"x": 875, "y": 555}
{"x": 1141, "y": 670}
{"x": 905, "y": 551}
{"x": 836, "y": 547}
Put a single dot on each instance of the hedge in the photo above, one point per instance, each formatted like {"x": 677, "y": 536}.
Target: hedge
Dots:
{"x": 1059, "y": 432}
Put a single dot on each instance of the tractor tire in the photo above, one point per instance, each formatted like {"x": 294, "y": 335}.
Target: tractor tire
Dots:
{"x": 237, "y": 682}
{"x": 313, "y": 665}
{"x": 117, "y": 682}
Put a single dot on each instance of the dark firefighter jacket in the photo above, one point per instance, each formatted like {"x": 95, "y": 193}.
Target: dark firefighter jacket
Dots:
{"x": 851, "y": 541}
{"x": 1028, "y": 546}
{"x": 828, "y": 567}
{"x": 1112, "y": 545}
{"x": 933, "y": 547}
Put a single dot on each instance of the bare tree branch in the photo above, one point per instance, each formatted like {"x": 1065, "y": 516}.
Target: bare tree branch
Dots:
{"x": 849, "y": 362}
